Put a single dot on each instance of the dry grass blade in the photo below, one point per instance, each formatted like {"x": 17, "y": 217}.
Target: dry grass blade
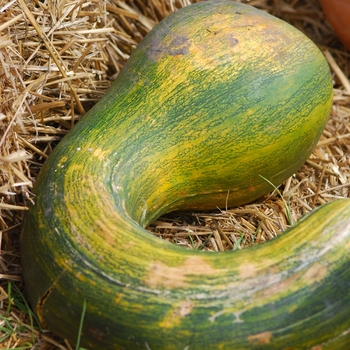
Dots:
{"x": 58, "y": 58}
{"x": 337, "y": 70}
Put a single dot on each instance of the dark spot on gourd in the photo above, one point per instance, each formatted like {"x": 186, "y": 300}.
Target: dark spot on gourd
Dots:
{"x": 154, "y": 52}
{"x": 97, "y": 333}
{"x": 179, "y": 45}
{"x": 232, "y": 40}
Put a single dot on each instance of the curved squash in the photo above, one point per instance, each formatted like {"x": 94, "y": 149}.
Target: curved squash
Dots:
{"x": 216, "y": 95}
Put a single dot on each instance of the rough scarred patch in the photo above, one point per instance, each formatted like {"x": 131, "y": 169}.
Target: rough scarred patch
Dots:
{"x": 281, "y": 286}
{"x": 179, "y": 45}
{"x": 161, "y": 275}
{"x": 40, "y": 305}
{"x": 316, "y": 272}
{"x": 260, "y": 338}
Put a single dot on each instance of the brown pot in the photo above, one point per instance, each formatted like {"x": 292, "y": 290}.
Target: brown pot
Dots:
{"x": 338, "y": 15}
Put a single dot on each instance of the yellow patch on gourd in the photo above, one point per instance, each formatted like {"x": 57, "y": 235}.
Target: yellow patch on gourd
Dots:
{"x": 61, "y": 162}
{"x": 99, "y": 153}
{"x": 118, "y": 298}
{"x": 173, "y": 317}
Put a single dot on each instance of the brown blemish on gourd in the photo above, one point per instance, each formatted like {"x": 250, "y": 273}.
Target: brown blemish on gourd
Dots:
{"x": 263, "y": 338}
{"x": 315, "y": 273}
{"x": 174, "y": 316}
{"x": 247, "y": 271}
{"x": 97, "y": 333}
{"x": 280, "y": 287}
{"x": 161, "y": 275}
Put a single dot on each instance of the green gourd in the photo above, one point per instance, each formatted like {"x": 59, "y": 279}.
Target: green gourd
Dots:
{"x": 217, "y": 96}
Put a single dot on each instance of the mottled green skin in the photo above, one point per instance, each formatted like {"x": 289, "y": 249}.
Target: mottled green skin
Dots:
{"x": 215, "y": 96}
